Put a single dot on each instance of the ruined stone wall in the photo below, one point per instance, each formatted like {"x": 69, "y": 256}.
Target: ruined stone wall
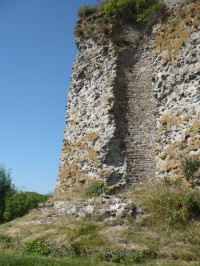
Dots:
{"x": 91, "y": 147}
{"x": 133, "y": 112}
{"x": 175, "y": 3}
{"x": 135, "y": 73}
{"x": 176, "y": 57}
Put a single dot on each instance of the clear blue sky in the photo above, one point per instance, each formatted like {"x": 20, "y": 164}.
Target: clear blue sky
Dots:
{"x": 37, "y": 50}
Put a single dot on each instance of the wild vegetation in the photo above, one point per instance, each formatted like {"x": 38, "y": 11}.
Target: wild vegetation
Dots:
{"x": 139, "y": 11}
{"x": 140, "y": 14}
{"x": 13, "y": 202}
{"x": 166, "y": 233}
{"x": 6, "y": 188}
{"x": 190, "y": 167}
{"x": 95, "y": 188}
{"x": 86, "y": 10}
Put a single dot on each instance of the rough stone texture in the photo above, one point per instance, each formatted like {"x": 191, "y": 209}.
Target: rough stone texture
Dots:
{"x": 102, "y": 208}
{"x": 132, "y": 112}
{"x": 136, "y": 70}
{"x": 177, "y": 89}
{"x": 92, "y": 147}
{"x": 174, "y": 3}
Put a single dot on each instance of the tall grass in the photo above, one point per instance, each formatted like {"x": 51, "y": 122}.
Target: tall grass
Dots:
{"x": 173, "y": 205}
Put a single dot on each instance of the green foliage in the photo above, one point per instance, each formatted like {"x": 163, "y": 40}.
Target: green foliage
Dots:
{"x": 146, "y": 12}
{"x": 118, "y": 39}
{"x": 115, "y": 257}
{"x": 86, "y": 10}
{"x": 101, "y": 4}
{"x": 95, "y": 188}
{"x": 144, "y": 255}
{"x": 21, "y": 203}
{"x": 174, "y": 205}
{"x": 85, "y": 239}
{"x": 167, "y": 181}
{"x": 6, "y": 188}
{"x": 86, "y": 245}
{"x": 140, "y": 256}
{"x": 7, "y": 242}
{"x": 190, "y": 167}
{"x": 38, "y": 246}
{"x": 13, "y": 259}
{"x": 86, "y": 229}
{"x": 140, "y": 11}
{"x": 120, "y": 8}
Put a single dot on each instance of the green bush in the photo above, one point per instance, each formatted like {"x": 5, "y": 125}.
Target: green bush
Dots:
{"x": 6, "y": 188}
{"x": 190, "y": 167}
{"x": 147, "y": 13}
{"x": 175, "y": 206}
{"x": 124, "y": 9}
{"x": 115, "y": 257}
{"x": 135, "y": 10}
{"x": 38, "y": 246}
{"x": 21, "y": 203}
{"x": 95, "y": 188}
{"x": 86, "y": 10}
{"x": 144, "y": 255}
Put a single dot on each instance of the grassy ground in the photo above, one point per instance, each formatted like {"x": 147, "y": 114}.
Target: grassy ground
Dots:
{"x": 12, "y": 259}
{"x": 158, "y": 237}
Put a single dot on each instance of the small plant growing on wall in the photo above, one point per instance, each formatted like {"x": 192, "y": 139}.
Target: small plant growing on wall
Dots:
{"x": 95, "y": 188}
{"x": 191, "y": 169}
{"x": 119, "y": 12}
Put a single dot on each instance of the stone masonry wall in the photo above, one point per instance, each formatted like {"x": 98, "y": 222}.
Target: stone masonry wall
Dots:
{"x": 176, "y": 57}
{"x": 91, "y": 147}
{"x": 133, "y": 112}
{"x": 175, "y": 3}
{"x": 135, "y": 73}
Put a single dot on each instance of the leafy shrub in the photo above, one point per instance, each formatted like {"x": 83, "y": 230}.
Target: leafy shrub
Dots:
{"x": 175, "y": 206}
{"x": 124, "y": 9}
{"x": 118, "y": 12}
{"x": 116, "y": 257}
{"x": 95, "y": 188}
{"x": 21, "y": 203}
{"x": 142, "y": 256}
{"x": 38, "y": 246}
{"x": 190, "y": 167}
{"x": 86, "y": 10}
{"x": 6, "y": 187}
{"x": 135, "y": 10}
{"x": 146, "y": 11}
